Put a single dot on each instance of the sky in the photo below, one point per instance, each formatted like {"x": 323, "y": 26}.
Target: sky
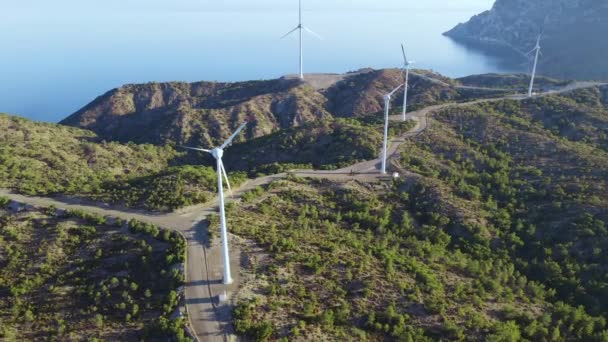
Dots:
{"x": 231, "y": 5}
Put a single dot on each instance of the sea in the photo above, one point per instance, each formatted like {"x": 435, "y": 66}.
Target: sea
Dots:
{"x": 57, "y": 56}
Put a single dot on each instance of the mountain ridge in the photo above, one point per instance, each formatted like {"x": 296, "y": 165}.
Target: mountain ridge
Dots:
{"x": 205, "y": 113}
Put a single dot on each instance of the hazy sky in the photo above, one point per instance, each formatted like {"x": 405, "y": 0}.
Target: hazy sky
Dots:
{"x": 147, "y": 5}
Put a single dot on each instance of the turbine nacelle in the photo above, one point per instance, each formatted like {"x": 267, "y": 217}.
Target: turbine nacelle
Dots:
{"x": 537, "y": 47}
{"x": 406, "y": 62}
{"x": 388, "y": 96}
{"x": 217, "y": 153}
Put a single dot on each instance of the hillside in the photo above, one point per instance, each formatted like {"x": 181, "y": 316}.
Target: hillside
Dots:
{"x": 536, "y": 170}
{"x": 49, "y": 159}
{"x": 499, "y": 235}
{"x": 205, "y": 113}
{"x": 573, "y": 44}
{"x": 73, "y": 276}
{"x": 496, "y": 232}
{"x": 518, "y": 82}
{"x": 202, "y": 113}
{"x": 326, "y": 144}
{"x": 369, "y": 262}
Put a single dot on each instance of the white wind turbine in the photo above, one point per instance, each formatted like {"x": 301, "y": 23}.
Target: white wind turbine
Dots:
{"x": 302, "y": 28}
{"x": 537, "y": 50}
{"x": 406, "y": 67}
{"x": 387, "y": 107}
{"x": 217, "y": 153}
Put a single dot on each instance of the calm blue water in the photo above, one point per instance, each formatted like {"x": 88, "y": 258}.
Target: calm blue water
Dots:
{"x": 59, "y": 55}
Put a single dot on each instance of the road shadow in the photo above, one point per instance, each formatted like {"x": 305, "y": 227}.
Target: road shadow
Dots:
{"x": 201, "y": 233}
{"x": 194, "y": 301}
{"x": 330, "y": 173}
{"x": 204, "y": 282}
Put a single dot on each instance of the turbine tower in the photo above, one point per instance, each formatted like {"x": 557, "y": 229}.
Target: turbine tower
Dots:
{"x": 217, "y": 153}
{"x": 537, "y": 53}
{"x": 406, "y": 67}
{"x": 301, "y": 28}
{"x": 387, "y": 105}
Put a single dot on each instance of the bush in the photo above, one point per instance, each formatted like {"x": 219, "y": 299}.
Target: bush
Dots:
{"x": 252, "y": 194}
{"x": 4, "y": 201}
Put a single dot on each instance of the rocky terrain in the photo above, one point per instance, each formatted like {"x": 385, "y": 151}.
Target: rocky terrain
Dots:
{"x": 198, "y": 113}
{"x": 573, "y": 44}
{"x": 205, "y": 113}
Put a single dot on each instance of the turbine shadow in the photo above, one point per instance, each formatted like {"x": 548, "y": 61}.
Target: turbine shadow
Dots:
{"x": 204, "y": 282}
{"x": 194, "y": 301}
{"x": 329, "y": 173}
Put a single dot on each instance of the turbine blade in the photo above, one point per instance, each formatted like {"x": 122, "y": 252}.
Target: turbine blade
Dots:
{"x": 312, "y": 32}
{"x": 233, "y": 136}
{"x": 404, "y": 56}
{"x": 223, "y": 171}
{"x": 290, "y": 32}
{"x": 542, "y": 28}
{"x": 195, "y": 149}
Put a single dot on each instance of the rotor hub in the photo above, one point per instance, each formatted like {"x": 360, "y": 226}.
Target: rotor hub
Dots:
{"x": 217, "y": 153}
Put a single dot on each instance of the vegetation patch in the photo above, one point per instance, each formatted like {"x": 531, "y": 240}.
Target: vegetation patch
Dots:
{"x": 330, "y": 144}
{"x": 367, "y": 262}
{"x": 519, "y": 82}
{"x": 500, "y": 236}
{"x": 74, "y": 276}
{"x": 47, "y": 159}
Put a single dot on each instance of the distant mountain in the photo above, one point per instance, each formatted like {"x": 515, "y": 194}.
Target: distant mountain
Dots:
{"x": 574, "y": 42}
{"x": 205, "y": 113}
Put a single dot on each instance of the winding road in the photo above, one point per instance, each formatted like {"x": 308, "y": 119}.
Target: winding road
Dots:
{"x": 209, "y": 318}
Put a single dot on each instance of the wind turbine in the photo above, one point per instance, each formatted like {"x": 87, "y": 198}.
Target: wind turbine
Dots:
{"x": 537, "y": 50}
{"x": 387, "y": 105}
{"x": 217, "y": 153}
{"x": 406, "y": 68}
{"x": 302, "y": 28}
